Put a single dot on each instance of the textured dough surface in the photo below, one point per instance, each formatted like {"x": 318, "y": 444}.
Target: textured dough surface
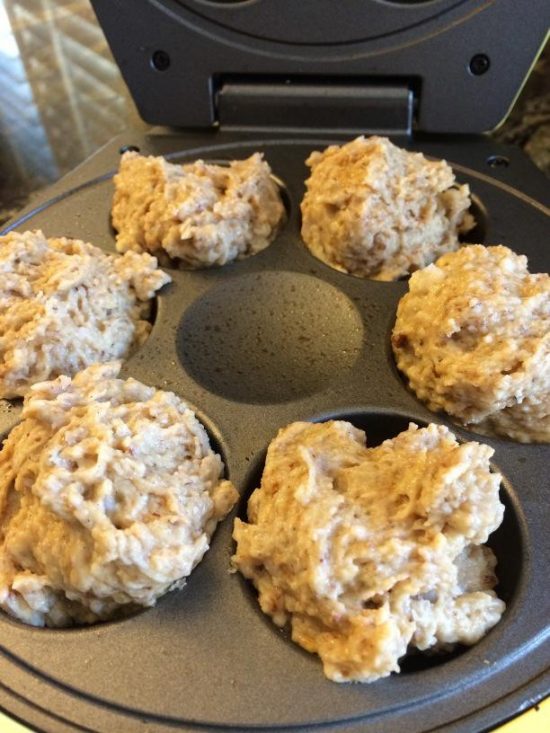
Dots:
{"x": 198, "y": 213}
{"x": 109, "y": 494}
{"x": 377, "y": 211}
{"x": 367, "y": 551}
{"x": 472, "y": 336}
{"x": 65, "y": 304}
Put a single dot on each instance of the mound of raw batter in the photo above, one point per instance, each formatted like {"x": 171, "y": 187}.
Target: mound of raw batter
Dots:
{"x": 109, "y": 494}
{"x": 377, "y": 211}
{"x": 472, "y": 336}
{"x": 65, "y": 304}
{"x": 199, "y": 214}
{"x": 369, "y": 551}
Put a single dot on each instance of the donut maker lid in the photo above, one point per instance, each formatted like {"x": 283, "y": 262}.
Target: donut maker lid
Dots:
{"x": 280, "y": 337}
{"x": 436, "y": 66}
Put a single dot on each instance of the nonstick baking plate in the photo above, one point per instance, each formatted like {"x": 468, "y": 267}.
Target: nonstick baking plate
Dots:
{"x": 251, "y": 347}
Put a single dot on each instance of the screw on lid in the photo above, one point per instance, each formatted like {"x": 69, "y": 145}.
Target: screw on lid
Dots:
{"x": 479, "y": 64}
{"x": 160, "y": 60}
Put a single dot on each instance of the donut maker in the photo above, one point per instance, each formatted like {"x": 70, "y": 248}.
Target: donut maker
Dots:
{"x": 280, "y": 337}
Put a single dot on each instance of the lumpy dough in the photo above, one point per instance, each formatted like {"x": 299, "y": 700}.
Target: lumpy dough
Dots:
{"x": 109, "y": 494}
{"x": 370, "y": 551}
{"x": 377, "y": 211}
{"x": 199, "y": 214}
{"x": 472, "y": 336}
{"x": 65, "y": 304}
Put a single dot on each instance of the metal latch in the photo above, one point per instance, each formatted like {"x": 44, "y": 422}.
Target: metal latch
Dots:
{"x": 294, "y": 107}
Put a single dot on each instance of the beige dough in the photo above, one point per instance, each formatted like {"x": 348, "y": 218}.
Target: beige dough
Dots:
{"x": 367, "y": 551}
{"x": 109, "y": 494}
{"x": 472, "y": 336}
{"x": 65, "y": 304}
{"x": 377, "y": 211}
{"x": 198, "y": 213}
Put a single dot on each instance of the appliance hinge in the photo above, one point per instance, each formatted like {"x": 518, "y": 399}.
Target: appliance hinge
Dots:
{"x": 302, "y": 107}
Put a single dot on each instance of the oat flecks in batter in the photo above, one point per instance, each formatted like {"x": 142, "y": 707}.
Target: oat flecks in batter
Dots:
{"x": 369, "y": 551}
{"x": 199, "y": 214}
{"x": 377, "y": 211}
{"x": 472, "y": 336}
{"x": 109, "y": 494}
{"x": 65, "y": 304}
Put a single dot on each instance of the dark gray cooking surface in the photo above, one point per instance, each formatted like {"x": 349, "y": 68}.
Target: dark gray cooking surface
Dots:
{"x": 252, "y": 346}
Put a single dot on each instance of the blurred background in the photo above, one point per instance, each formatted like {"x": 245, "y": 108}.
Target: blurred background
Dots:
{"x": 61, "y": 94}
{"x": 62, "y": 97}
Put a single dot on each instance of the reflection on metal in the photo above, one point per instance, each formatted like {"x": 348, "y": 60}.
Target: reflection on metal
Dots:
{"x": 61, "y": 93}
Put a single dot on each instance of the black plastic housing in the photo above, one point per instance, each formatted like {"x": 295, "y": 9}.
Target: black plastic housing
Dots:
{"x": 465, "y": 60}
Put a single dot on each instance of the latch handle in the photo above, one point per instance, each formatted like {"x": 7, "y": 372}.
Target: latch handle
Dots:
{"x": 299, "y": 107}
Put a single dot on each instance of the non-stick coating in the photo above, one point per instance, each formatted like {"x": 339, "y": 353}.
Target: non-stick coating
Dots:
{"x": 253, "y": 346}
